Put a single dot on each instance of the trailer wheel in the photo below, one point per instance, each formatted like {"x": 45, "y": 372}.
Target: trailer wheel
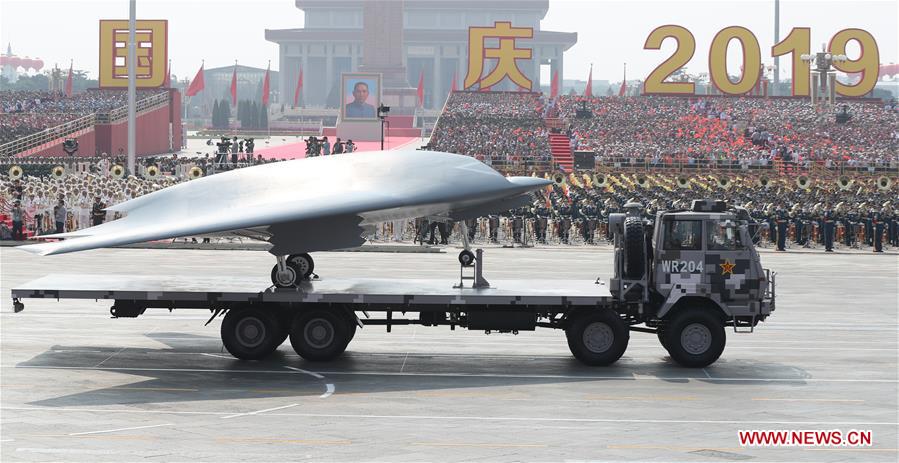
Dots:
{"x": 597, "y": 338}
{"x": 634, "y": 248}
{"x": 319, "y": 335}
{"x": 250, "y": 334}
{"x": 695, "y": 338}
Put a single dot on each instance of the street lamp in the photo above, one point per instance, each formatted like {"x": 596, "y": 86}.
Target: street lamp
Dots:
{"x": 822, "y": 74}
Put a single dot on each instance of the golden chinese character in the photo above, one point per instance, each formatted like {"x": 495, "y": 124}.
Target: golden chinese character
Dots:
{"x": 505, "y": 55}
{"x": 150, "y": 50}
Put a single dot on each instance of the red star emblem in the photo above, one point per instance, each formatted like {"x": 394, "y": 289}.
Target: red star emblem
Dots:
{"x": 727, "y": 268}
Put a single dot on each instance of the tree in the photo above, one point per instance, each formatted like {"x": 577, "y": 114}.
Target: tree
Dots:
{"x": 254, "y": 116}
{"x": 215, "y": 114}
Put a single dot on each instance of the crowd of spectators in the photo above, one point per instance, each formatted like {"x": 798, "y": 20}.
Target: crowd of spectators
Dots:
{"x": 502, "y": 129}
{"x": 759, "y": 130}
{"x": 26, "y": 112}
{"x": 755, "y": 131}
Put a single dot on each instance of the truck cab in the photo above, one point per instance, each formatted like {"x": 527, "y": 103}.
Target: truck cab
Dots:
{"x": 695, "y": 270}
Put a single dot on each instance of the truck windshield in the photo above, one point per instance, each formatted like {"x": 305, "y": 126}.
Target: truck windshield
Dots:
{"x": 683, "y": 235}
{"x": 723, "y": 236}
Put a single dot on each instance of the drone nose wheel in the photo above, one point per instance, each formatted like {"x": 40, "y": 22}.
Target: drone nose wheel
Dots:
{"x": 466, "y": 258}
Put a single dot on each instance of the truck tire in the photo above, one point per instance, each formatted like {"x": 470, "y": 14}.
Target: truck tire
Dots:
{"x": 250, "y": 334}
{"x": 598, "y": 337}
{"x": 634, "y": 249}
{"x": 319, "y": 335}
{"x": 695, "y": 337}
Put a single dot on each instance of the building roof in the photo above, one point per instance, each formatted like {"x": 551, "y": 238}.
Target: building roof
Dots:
{"x": 459, "y": 5}
{"x": 410, "y": 35}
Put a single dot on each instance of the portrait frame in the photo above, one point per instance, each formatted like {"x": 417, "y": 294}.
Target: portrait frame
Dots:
{"x": 366, "y": 111}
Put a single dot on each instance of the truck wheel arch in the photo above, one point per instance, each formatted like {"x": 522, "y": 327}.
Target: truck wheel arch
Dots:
{"x": 673, "y": 305}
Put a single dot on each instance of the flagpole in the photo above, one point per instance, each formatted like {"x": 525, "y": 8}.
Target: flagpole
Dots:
{"x": 132, "y": 86}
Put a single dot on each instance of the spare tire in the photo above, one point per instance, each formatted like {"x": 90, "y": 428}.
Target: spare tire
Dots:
{"x": 634, "y": 249}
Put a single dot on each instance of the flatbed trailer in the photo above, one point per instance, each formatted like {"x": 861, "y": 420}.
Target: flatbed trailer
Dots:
{"x": 684, "y": 281}
{"x": 321, "y": 316}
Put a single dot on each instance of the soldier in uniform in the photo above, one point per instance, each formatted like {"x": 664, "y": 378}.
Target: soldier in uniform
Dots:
{"x": 517, "y": 225}
{"x": 541, "y": 219}
{"x": 98, "y": 214}
{"x": 472, "y": 225}
{"x": 829, "y": 229}
{"x": 588, "y": 212}
{"x": 493, "y": 226}
{"x": 892, "y": 229}
{"x": 564, "y": 220}
{"x": 849, "y": 229}
{"x": 781, "y": 230}
{"x": 877, "y": 226}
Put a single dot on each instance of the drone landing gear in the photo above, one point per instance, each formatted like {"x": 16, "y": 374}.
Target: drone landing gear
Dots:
{"x": 467, "y": 260}
{"x": 291, "y": 270}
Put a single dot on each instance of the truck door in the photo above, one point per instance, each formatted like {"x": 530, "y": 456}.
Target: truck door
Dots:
{"x": 680, "y": 263}
{"x": 733, "y": 275}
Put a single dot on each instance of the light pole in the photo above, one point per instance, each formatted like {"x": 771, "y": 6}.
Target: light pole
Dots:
{"x": 822, "y": 75}
{"x": 132, "y": 85}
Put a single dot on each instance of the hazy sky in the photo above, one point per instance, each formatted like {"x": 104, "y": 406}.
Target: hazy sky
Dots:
{"x": 609, "y": 32}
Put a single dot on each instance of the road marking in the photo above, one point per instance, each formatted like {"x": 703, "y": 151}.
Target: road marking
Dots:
{"x": 772, "y": 399}
{"x": 329, "y": 389}
{"x": 310, "y": 373}
{"x": 707, "y": 375}
{"x": 677, "y": 448}
{"x": 164, "y": 389}
{"x": 119, "y": 429}
{"x": 462, "y": 418}
{"x": 470, "y": 375}
{"x": 479, "y": 445}
{"x": 640, "y": 398}
{"x": 226, "y": 357}
{"x": 259, "y": 411}
{"x": 111, "y": 356}
{"x": 261, "y": 440}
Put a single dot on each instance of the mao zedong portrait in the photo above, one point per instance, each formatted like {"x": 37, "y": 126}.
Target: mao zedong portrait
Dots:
{"x": 359, "y": 108}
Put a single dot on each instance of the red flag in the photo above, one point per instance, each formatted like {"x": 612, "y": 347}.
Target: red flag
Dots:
{"x": 421, "y": 88}
{"x": 265, "y": 86}
{"x": 453, "y": 89}
{"x": 554, "y": 86}
{"x": 234, "y": 86}
{"x": 69, "y": 81}
{"x": 196, "y": 85}
{"x": 167, "y": 82}
{"x": 623, "y": 89}
{"x": 588, "y": 92}
{"x": 296, "y": 93}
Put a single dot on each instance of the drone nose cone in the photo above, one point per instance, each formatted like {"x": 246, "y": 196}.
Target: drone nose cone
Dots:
{"x": 529, "y": 183}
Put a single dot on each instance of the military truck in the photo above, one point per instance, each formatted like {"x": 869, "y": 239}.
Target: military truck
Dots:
{"x": 683, "y": 275}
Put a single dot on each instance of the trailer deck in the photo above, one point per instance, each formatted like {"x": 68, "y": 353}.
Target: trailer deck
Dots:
{"x": 184, "y": 292}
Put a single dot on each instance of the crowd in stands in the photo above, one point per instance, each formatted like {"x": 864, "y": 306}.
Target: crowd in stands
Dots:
{"x": 753, "y": 131}
{"x": 25, "y": 112}
{"x": 502, "y": 129}
{"x": 759, "y": 130}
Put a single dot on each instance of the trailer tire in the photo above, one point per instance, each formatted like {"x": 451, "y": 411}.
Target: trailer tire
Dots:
{"x": 250, "y": 334}
{"x": 319, "y": 335}
{"x": 695, "y": 338}
{"x": 634, "y": 249}
{"x": 660, "y": 332}
{"x": 597, "y": 338}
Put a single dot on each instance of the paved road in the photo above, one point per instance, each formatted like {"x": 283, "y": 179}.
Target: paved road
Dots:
{"x": 77, "y": 385}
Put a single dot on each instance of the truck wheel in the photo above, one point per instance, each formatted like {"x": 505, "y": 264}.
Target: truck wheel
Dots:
{"x": 250, "y": 334}
{"x": 695, "y": 338}
{"x": 319, "y": 335}
{"x": 597, "y": 338}
{"x": 634, "y": 249}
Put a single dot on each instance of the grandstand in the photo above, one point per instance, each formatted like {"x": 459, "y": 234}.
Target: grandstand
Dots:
{"x": 38, "y": 123}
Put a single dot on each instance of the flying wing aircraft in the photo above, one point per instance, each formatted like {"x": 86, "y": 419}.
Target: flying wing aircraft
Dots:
{"x": 305, "y": 205}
